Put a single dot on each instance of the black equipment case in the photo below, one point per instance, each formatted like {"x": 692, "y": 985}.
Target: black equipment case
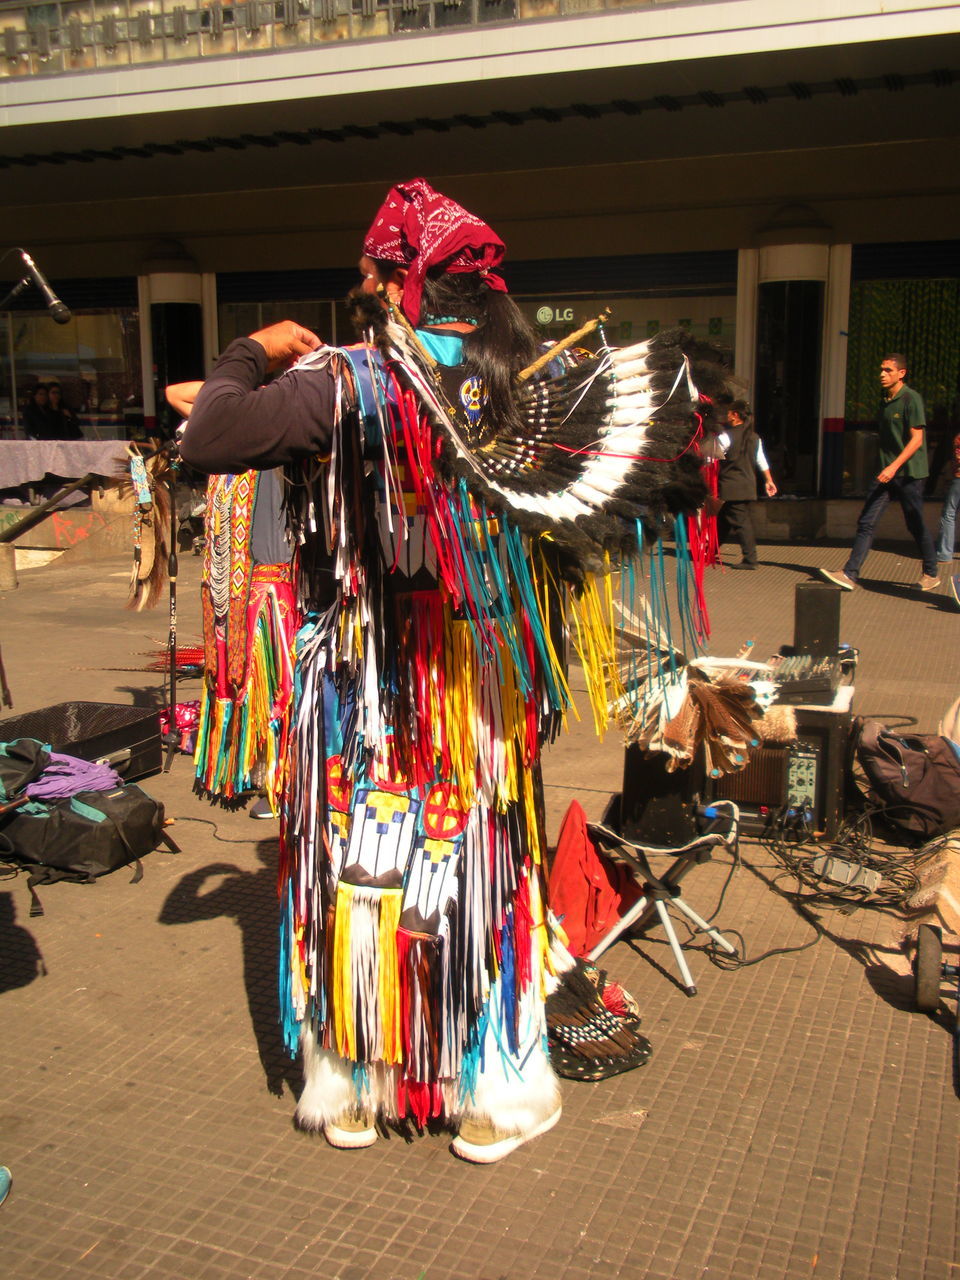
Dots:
{"x": 126, "y": 738}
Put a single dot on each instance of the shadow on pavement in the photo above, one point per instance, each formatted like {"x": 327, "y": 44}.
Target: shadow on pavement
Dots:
{"x": 20, "y": 957}
{"x": 250, "y": 898}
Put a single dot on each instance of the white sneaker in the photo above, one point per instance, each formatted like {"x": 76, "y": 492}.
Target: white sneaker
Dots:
{"x": 838, "y": 578}
{"x": 352, "y": 1129}
{"x": 480, "y": 1143}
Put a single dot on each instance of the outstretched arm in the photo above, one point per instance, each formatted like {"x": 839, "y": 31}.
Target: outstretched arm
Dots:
{"x": 237, "y": 423}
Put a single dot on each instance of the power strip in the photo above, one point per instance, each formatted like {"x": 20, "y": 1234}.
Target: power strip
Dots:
{"x": 851, "y": 874}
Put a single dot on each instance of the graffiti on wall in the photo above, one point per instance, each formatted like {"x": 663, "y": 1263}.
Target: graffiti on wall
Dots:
{"x": 61, "y": 529}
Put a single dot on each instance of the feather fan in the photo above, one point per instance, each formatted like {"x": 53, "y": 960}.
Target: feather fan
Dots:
{"x": 608, "y": 439}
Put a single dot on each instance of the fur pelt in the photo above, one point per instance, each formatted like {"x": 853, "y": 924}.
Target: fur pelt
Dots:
{"x": 510, "y": 1104}
{"x": 328, "y": 1088}
{"x": 148, "y": 575}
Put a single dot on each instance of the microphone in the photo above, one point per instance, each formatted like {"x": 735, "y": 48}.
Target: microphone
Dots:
{"x": 59, "y": 311}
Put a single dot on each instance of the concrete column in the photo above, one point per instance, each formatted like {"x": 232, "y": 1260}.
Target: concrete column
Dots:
{"x": 833, "y": 386}
{"x": 146, "y": 355}
{"x": 156, "y": 287}
{"x": 211, "y": 320}
{"x": 793, "y": 262}
{"x": 745, "y": 354}
{"x": 795, "y": 255}
{"x": 171, "y": 326}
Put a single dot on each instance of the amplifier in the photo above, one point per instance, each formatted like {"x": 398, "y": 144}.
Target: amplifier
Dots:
{"x": 809, "y": 773}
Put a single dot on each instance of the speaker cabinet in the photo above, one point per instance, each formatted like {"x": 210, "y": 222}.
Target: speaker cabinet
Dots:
{"x": 656, "y": 806}
{"x": 816, "y": 619}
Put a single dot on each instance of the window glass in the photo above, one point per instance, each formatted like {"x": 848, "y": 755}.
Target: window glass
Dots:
{"x": 96, "y": 360}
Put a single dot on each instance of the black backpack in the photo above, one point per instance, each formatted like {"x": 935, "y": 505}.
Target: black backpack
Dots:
{"x": 914, "y": 776}
{"x": 78, "y": 838}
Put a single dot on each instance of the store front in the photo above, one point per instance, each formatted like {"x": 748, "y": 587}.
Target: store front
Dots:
{"x": 94, "y": 359}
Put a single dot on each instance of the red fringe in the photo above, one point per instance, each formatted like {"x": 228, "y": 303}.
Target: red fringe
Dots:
{"x": 416, "y": 958}
{"x": 523, "y": 929}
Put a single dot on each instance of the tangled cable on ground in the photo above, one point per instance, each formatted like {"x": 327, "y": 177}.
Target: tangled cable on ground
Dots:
{"x": 849, "y": 873}
{"x": 856, "y": 869}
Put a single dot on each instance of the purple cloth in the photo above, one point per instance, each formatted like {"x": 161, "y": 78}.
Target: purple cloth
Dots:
{"x": 67, "y": 775}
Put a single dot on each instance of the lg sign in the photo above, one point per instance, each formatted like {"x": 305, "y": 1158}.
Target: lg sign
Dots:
{"x": 554, "y": 315}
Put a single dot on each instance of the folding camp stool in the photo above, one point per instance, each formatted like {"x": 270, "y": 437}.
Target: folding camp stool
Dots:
{"x": 657, "y": 891}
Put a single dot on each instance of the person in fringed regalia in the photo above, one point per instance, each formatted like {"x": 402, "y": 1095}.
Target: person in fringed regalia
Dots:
{"x": 464, "y": 498}
{"x": 250, "y": 618}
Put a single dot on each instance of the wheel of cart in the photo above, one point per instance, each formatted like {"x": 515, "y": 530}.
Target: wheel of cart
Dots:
{"x": 928, "y": 968}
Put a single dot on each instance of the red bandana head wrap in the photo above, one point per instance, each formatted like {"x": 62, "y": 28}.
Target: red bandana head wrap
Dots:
{"x": 419, "y": 228}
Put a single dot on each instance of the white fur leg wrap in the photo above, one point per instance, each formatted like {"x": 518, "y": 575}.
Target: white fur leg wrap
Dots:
{"x": 515, "y": 1104}
{"x": 328, "y": 1088}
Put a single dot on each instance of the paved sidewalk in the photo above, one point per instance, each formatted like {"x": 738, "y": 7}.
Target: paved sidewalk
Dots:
{"x": 796, "y": 1120}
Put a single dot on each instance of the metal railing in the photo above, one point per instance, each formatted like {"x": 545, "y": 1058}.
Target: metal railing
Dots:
{"x": 70, "y": 36}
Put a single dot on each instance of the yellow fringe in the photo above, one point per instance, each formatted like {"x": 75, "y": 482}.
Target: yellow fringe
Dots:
{"x": 344, "y": 1029}
{"x": 390, "y": 907}
{"x": 541, "y": 959}
{"x": 530, "y": 809}
{"x": 595, "y": 642}
{"x": 460, "y": 703}
{"x": 513, "y": 712}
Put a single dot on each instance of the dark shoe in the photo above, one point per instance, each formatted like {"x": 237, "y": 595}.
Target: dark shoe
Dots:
{"x": 744, "y": 564}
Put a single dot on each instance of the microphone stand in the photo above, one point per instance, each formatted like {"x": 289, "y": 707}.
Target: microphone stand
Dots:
{"x": 172, "y": 737}
{"x": 15, "y": 292}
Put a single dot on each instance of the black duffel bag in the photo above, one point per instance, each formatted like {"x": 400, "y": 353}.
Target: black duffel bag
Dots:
{"x": 83, "y": 837}
{"x": 914, "y": 776}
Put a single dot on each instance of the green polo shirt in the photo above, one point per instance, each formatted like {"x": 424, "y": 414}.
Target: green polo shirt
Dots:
{"x": 898, "y": 417}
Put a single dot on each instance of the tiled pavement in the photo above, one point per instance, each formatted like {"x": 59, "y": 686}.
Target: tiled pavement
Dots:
{"x": 797, "y": 1118}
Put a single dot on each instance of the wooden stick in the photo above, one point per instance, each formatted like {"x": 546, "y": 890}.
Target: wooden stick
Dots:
{"x": 554, "y": 351}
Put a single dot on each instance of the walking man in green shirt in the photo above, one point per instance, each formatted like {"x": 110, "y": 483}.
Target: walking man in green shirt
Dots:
{"x": 903, "y": 458}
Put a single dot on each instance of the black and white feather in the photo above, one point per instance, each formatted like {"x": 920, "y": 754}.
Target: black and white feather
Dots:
{"x": 607, "y": 439}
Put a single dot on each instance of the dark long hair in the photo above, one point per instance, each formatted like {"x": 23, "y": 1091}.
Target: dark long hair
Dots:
{"x": 502, "y": 342}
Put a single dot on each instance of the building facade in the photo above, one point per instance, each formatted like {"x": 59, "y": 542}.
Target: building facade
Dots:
{"x": 781, "y": 178}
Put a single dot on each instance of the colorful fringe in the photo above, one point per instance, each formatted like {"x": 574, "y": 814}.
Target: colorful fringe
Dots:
{"x": 243, "y": 731}
{"x": 411, "y": 876}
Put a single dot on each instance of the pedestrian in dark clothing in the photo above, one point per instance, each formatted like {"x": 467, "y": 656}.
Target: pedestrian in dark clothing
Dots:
{"x": 741, "y": 455}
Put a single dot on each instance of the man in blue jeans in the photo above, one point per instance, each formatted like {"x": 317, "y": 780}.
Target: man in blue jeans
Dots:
{"x": 903, "y": 458}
